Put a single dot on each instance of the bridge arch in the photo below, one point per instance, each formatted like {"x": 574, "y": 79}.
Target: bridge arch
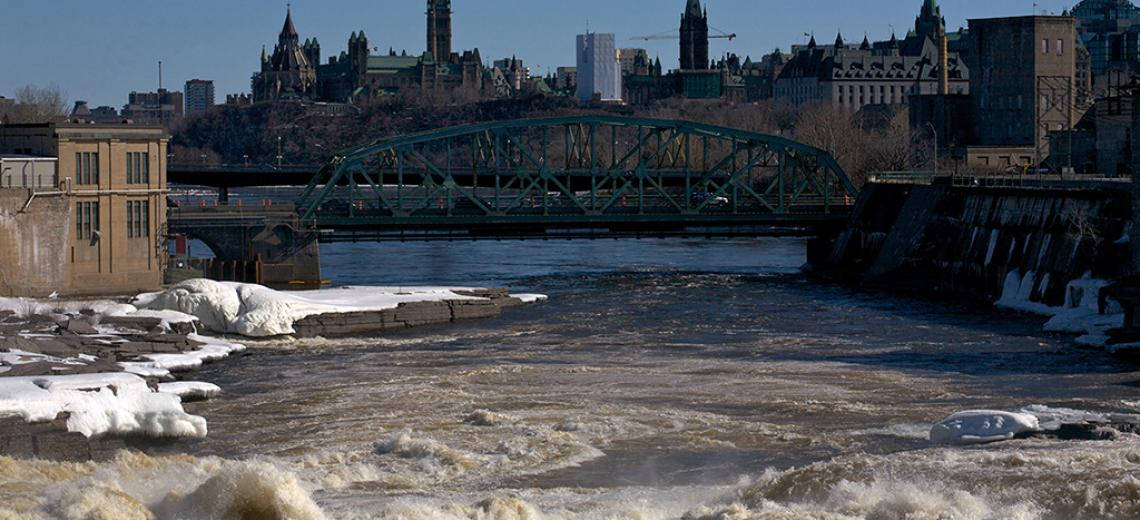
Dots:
{"x": 589, "y": 170}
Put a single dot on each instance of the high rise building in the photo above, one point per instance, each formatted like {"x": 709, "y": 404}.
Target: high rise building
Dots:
{"x": 439, "y": 30}
{"x": 199, "y": 94}
{"x": 599, "y": 72}
{"x": 694, "y": 37}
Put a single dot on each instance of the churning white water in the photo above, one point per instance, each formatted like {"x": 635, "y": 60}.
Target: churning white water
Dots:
{"x": 663, "y": 380}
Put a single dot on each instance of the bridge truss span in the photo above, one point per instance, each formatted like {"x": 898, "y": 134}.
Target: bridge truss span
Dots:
{"x": 576, "y": 175}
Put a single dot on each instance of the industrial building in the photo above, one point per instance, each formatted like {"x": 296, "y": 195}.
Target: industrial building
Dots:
{"x": 82, "y": 209}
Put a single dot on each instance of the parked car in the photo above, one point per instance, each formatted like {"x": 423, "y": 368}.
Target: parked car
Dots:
{"x": 699, "y": 197}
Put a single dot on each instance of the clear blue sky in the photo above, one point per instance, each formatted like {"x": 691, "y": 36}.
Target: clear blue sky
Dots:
{"x": 100, "y": 50}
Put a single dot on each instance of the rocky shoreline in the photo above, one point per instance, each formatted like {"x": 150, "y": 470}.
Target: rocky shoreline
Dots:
{"x": 42, "y": 344}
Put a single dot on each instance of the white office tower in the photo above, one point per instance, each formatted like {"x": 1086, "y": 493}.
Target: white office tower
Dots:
{"x": 599, "y": 70}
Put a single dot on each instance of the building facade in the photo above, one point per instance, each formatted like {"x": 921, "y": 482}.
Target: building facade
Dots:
{"x": 199, "y": 97}
{"x": 694, "y": 37}
{"x": 290, "y": 72}
{"x": 599, "y": 73}
{"x": 109, "y": 203}
{"x": 566, "y": 78}
{"x": 153, "y": 108}
{"x": 881, "y": 73}
{"x": 1023, "y": 86}
{"x": 439, "y": 30}
{"x": 1108, "y": 29}
{"x": 294, "y": 70}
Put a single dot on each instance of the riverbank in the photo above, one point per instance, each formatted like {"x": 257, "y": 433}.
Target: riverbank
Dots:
{"x": 79, "y": 380}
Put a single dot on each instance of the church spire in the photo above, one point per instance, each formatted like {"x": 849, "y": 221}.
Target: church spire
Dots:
{"x": 930, "y": 8}
{"x": 289, "y": 31}
{"x": 693, "y": 8}
{"x": 839, "y": 41}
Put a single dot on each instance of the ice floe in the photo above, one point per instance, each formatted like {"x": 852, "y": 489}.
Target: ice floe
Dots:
{"x": 982, "y": 426}
{"x": 258, "y": 311}
{"x": 98, "y": 404}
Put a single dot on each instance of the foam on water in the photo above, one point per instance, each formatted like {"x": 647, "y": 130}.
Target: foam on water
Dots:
{"x": 136, "y": 486}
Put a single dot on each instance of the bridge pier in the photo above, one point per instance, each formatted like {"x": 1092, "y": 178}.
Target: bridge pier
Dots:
{"x": 271, "y": 248}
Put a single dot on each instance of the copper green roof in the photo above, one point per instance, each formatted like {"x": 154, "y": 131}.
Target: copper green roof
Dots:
{"x": 391, "y": 63}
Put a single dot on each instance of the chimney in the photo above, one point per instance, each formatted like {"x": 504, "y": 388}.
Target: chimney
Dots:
{"x": 944, "y": 63}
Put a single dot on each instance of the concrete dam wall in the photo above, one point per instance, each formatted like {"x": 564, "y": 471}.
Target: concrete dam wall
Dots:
{"x": 964, "y": 241}
{"x": 34, "y": 252}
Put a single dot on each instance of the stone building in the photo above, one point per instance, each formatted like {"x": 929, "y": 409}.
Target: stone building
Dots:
{"x": 566, "y": 78}
{"x": 103, "y": 115}
{"x": 290, "y": 72}
{"x": 694, "y": 37}
{"x": 153, "y": 108}
{"x": 1022, "y": 87}
{"x": 100, "y": 228}
{"x": 881, "y": 73}
{"x": 295, "y": 71}
{"x": 439, "y": 30}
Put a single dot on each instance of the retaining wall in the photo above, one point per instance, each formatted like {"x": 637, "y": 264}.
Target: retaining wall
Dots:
{"x": 963, "y": 241}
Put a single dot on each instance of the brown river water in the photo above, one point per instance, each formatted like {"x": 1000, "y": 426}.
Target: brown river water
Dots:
{"x": 664, "y": 379}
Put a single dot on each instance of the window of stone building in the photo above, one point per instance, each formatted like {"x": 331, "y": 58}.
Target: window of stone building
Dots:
{"x": 1044, "y": 45}
{"x": 86, "y": 219}
{"x": 138, "y": 168}
{"x": 138, "y": 218}
{"x": 87, "y": 168}
{"x": 1060, "y": 47}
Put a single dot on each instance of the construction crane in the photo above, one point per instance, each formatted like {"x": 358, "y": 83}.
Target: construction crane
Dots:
{"x": 674, "y": 35}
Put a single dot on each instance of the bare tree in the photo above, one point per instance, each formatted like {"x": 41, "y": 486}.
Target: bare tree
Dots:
{"x": 35, "y": 104}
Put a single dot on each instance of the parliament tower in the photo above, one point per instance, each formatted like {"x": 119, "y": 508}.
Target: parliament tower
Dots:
{"x": 439, "y": 30}
{"x": 694, "y": 37}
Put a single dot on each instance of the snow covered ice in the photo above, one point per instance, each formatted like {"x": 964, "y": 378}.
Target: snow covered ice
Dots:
{"x": 258, "y": 311}
{"x": 982, "y": 426}
{"x": 99, "y": 404}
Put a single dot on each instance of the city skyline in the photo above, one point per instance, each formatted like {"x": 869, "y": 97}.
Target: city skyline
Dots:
{"x": 226, "y": 48}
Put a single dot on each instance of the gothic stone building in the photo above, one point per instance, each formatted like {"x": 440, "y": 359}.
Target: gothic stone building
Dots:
{"x": 295, "y": 71}
{"x": 883, "y": 73}
{"x": 290, "y": 72}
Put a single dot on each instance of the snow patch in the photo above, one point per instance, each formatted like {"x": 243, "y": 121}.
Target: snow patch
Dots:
{"x": 530, "y": 298}
{"x": 99, "y": 404}
{"x": 1080, "y": 314}
{"x": 214, "y": 350}
{"x": 257, "y": 311}
{"x": 190, "y": 389}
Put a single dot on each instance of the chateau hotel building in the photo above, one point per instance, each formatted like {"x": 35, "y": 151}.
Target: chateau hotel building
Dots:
{"x": 927, "y": 61}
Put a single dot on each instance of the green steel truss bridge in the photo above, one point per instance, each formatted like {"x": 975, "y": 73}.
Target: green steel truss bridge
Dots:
{"x": 577, "y": 177}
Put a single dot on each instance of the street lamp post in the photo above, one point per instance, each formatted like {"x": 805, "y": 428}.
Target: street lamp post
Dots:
{"x": 279, "y": 157}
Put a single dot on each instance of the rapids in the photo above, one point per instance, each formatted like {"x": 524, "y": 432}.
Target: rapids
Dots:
{"x": 663, "y": 380}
